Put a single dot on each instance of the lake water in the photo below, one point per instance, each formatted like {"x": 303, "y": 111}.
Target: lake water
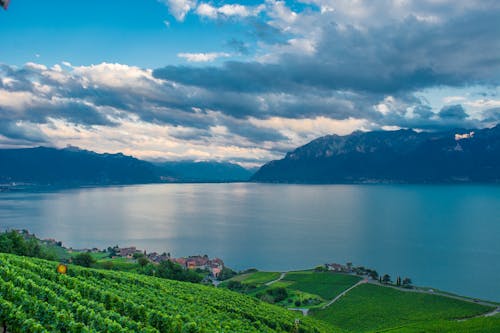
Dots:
{"x": 447, "y": 237}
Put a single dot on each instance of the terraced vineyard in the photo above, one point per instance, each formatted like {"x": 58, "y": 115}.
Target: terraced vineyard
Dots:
{"x": 325, "y": 284}
{"x": 35, "y": 298}
{"x": 372, "y": 308}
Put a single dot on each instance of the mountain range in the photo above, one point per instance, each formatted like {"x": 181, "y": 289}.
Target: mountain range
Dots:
{"x": 75, "y": 167}
{"x": 403, "y": 156}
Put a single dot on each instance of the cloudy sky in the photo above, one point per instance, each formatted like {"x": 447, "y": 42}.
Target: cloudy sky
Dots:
{"x": 241, "y": 81}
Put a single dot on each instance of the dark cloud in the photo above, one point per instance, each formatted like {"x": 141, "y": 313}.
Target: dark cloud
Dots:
{"x": 453, "y": 112}
{"x": 403, "y": 56}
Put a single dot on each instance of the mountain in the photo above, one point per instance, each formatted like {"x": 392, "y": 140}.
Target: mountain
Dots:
{"x": 403, "y": 156}
{"x": 190, "y": 171}
{"x": 73, "y": 166}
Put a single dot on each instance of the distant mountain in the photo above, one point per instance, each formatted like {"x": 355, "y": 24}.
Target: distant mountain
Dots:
{"x": 391, "y": 156}
{"x": 190, "y": 171}
{"x": 72, "y": 166}
{"x": 75, "y": 167}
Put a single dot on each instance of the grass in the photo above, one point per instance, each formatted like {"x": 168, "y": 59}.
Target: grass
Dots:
{"x": 327, "y": 285}
{"x": 121, "y": 264}
{"x": 257, "y": 278}
{"x": 370, "y": 308}
{"x": 475, "y": 325}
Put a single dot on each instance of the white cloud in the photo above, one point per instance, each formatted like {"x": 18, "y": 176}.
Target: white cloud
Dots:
{"x": 228, "y": 10}
{"x": 206, "y": 10}
{"x": 179, "y": 8}
{"x": 203, "y": 57}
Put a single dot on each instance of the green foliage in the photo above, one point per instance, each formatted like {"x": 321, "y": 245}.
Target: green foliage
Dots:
{"x": 473, "y": 325}
{"x": 169, "y": 270}
{"x": 324, "y": 284}
{"x": 320, "y": 268}
{"x": 34, "y": 298}
{"x": 369, "y": 308}
{"x": 142, "y": 261}
{"x": 83, "y": 259}
{"x": 256, "y": 277}
{"x": 226, "y": 273}
{"x": 15, "y": 243}
{"x": 279, "y": 294}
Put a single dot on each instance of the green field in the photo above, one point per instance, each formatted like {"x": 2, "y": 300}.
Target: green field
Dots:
{"x": 474, "y": 325}
{"x": 369, "y": 308}
{"x": 34, "y": 298}
{"x": 327, "y": 285}
{"x": 255, "y": 278}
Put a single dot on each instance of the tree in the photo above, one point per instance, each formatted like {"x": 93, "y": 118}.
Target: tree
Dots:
{"x": 226, "y": 273}
{"x": 170, "y": 270}
{"x": 143, "y": 261}
{"x": 374, "y": 274}
{"x": 407, "y": 282}
{"x": 386, "y": 279}
{"x": 349, "y": 266}
{"x": 83, "y": 259}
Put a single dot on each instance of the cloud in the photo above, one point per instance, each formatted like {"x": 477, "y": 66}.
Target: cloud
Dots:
{"x": 203, "y": 57}
{"x": 179, "y": 8}
{"x": 228, "y": 11}
{"x": 309, "y": 68}
{"x": 453, "y": 112}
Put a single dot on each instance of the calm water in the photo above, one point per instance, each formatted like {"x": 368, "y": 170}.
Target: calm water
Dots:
{"x": 447, "y": 237}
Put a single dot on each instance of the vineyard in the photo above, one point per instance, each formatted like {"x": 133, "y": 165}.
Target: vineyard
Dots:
{"x": 35, "y": 298}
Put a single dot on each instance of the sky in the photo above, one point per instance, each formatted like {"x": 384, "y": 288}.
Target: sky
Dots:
{"x": 245, "y": 81}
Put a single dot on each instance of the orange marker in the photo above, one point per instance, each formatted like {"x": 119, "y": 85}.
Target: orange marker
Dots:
{"x": 62, "y": 269}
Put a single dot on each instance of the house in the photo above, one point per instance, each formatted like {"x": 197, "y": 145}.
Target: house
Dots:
{"x": 336, "y": 267}
{"x": 214, "y": 266}
{"x": 156, "y": 258}
{"x": 197, "y": 262}
{"x": 180, "y": 261}
{"x": 127, "y": 252}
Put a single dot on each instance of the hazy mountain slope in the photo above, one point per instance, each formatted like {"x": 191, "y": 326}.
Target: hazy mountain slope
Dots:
{"x": 72, "y": 166}
{"x": 191, "y": 171}
{"x": 391, "y": 156}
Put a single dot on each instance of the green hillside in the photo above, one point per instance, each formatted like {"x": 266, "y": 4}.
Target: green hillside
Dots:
{"x": 35, "y": 298}
{"x": 373, "y": 308}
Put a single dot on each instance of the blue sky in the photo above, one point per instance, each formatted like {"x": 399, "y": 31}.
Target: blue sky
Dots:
{"x": 241, "y": 81}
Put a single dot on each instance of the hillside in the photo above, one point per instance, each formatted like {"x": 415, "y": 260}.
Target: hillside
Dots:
{"x": 357, "y": 305}
{"x": 404, "y": 156}
{"x": 191, "y": 171}
{"x": 72, "y": 166}
{"x": 75, "y": 167}
{"x": 35, "y": 298}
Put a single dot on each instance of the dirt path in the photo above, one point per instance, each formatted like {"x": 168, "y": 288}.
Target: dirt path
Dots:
{"x": 343, "y": 293}
{"x": 282, "y": 276}
{"x": 303, "y": 310}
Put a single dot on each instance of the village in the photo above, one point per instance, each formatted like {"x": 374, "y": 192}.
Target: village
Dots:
{"x": 213, "y": 266}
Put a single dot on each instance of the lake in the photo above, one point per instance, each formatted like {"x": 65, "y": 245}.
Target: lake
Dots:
{"x": 444, "y": 236}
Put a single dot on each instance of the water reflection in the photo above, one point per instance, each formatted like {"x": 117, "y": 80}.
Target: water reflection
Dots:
{"x": 438, "y": 235}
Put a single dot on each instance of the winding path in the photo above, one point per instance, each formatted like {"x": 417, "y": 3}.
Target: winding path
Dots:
{"x": 344, "y": 292}
{"x": 282, "y": 276}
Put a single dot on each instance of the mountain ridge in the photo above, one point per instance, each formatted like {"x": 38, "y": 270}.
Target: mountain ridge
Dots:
{"x": 402, "y": 156}
{"x": 72, "y": 166}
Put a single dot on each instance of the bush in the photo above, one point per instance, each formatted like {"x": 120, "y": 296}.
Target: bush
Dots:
{"x": 226, "y": 273}
{"x": 143, "y": 261}
{"x": 83, "y": 259}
